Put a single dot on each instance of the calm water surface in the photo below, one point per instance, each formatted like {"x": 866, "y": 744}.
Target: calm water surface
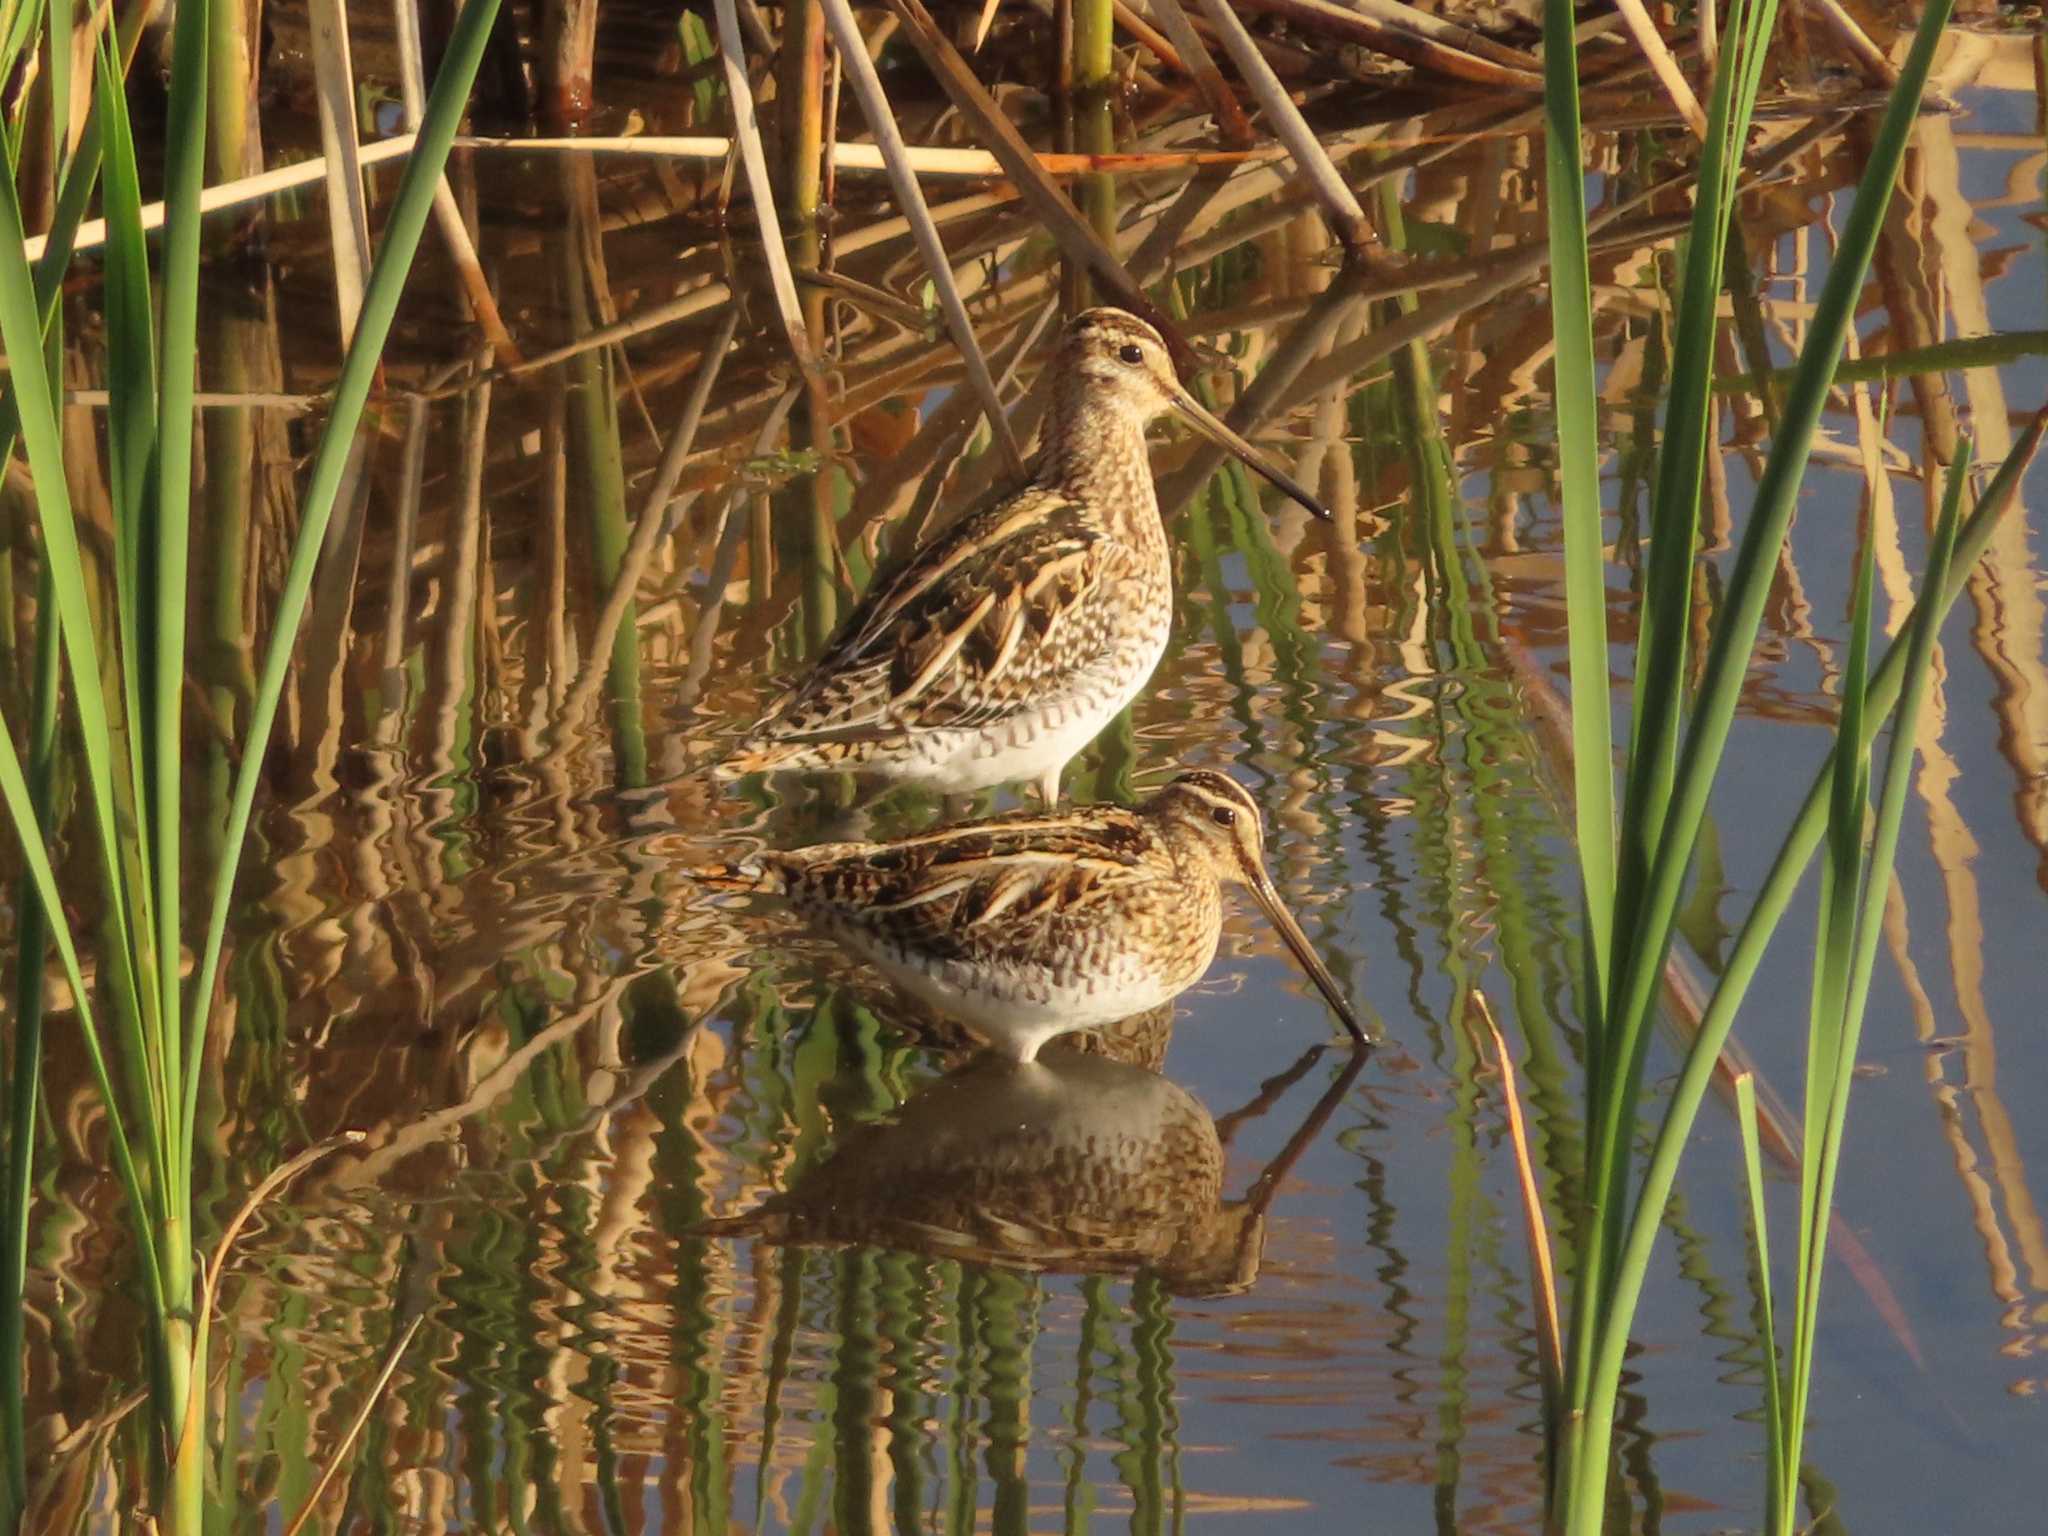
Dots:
{"x": 466, "y": 931}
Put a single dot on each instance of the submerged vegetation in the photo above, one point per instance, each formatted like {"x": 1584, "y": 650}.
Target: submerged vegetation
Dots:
{"x": 502, "y": 554}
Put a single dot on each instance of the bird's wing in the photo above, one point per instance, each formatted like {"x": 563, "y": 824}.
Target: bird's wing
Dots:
{"x": 961, "y": 634}
{"x": 971, "y": 891}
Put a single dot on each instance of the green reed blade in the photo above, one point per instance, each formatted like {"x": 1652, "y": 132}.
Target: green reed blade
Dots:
{"x": 31, "y": 947}
{"x": 1841, "y": 876}
{"x": 1920, "y": 639}
{"x": 35, "y": 853}
{"x": 1887, "y": 685}
{"x": 406, "y": 222}
{"x": 1829, "y": 1051}
{"x": 18, "y": 28}
{"x": 131, "y": 404}
{"x": 1617, "y": 1044}
{"x": 1852, "y": 949}
{"x": 164, "y": 634}
{"x": 74, "y": 198}
{"x": 1777, "y": 1472}
{"x": 58, "y": 60}
{"x": 1749, "y": 579}
{"x": 1662, "y": 634}
{"x": 1732, "y": 643}
{"x": 21, "y": 334}
{"x": 1578, "y": 471}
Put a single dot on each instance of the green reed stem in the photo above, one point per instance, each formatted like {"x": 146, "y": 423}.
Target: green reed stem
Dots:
{"x": 1094, "y": 44}
{"x": 134, "y": 796}
{"x": 170, "y": 539}
{"x": 1614, "y": 1257}
{"x": 1777, "y": 1465}
{"x": 31, "y": 947}
{"x": 1578, "y": 474}
{"x": 407, "y": 221}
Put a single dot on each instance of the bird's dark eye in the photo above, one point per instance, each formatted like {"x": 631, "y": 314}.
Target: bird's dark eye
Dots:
{"x": 1131, "y": 353}
{"x": 1223, "y": 816}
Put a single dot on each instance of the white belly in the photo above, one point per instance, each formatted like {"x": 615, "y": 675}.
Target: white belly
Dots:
{"x": 1017, "y": 1011}
{"x": 1037, "y": 741}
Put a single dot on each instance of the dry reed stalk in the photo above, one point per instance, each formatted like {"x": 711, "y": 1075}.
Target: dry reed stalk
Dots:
{"x": 746, "y": 128}
{"x": 405, "y": 530}
{"x": 1535, "y": 1228}
{"x": 1215, "y": 91}
{"x": 1075, "y": 237}
{"x": 866, "y": 296}
{"x": 653, "y": 514}
{"x": 447, "y": 213}
{"x": 874, "y": 105}
{"x": 1636, "y": 16}
{"x": 966, "y": 164}
{"x": 1148, "y": 37}
{"x": 348, "y": 214}
{"x": 209, "y": 1291}
{"x": 1347, "y": 219}
{"x": 1876, "y": 65}
{"x": 355, "y": 1428}
{"x": 984, "y": 21}
{"x": 925, "y": 160}
{"x": 1402, "y": 32}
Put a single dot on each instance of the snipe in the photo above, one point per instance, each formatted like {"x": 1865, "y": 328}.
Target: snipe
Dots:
{"x": 1006, "y": 644}
{"x": 1025, "y": 927}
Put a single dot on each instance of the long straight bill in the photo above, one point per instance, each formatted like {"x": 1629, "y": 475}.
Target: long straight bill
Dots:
{"x": 1298, "y": 944}
{"x": 1212, "y": 427}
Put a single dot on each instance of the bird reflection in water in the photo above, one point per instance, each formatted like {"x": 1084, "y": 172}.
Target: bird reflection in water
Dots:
{"x": 1076, "y": 1162}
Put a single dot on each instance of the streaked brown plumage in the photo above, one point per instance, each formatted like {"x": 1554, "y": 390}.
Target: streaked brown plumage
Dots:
{"x": 1026, "y": 927}
{"x": 1004, "y": 646}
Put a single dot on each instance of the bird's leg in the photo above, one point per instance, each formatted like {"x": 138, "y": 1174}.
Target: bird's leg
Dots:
{"x": 1049, "y": 786}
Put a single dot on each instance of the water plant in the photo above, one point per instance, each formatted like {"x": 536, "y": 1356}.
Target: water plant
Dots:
{"x": 118, "y": 668}
{"x": 1634, "y": 857}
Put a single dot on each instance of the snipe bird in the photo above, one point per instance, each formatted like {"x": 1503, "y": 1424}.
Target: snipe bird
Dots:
{"x": 1007, "y": 643}
{"x": 1024, "y": 927}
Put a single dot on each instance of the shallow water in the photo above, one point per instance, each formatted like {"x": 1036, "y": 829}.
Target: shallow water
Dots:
{"x": 466, "y": 932}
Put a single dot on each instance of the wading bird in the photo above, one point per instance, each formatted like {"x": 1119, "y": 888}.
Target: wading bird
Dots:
{"x": 1025, "y": 927}
{"x": 1004, "y": 646}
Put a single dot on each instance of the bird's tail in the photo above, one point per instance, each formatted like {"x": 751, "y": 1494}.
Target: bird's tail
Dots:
{"x": 764, "y": 754}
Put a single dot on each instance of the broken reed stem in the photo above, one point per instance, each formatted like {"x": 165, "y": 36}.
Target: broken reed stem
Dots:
{"x": 1347, "y": 219}
{"x": 1231, "y": 121}
{"x": 448, "y": 217}
{"x": 874, "y": 105}
{"x": 348, "y": 214}
{"x": 1636, "y": 17}
{"x": 746, "y": 128}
